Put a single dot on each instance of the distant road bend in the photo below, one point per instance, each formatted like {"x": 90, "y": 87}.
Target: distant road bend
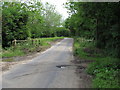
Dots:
{"x": 41, "y": 71}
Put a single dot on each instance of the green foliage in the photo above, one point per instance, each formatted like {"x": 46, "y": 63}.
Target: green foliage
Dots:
{"x": 105, "y": 69}
{"x": 29, "y": 20}
{"x": 79, "y": 45}
{"x": 62, "y": 31}
{"x": 96, "y": 20}
{"x": 103, "y": 63}
{"x": 14, "y": 19}
{"x": 106, "y": 79}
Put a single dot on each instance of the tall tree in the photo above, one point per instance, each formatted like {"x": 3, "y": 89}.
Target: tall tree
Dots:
{"x": 97, "y": 20}
{"x": 52, "y": 19}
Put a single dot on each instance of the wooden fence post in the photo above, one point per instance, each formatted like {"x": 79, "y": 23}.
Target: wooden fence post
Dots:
{"x": 14, "y": 42}
{"x": 36, "y": 41}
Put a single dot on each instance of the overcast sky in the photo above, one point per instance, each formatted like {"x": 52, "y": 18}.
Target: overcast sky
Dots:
{"x": 59, "y": 6}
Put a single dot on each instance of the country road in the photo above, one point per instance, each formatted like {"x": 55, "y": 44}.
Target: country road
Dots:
{"x": 43, "y": 71}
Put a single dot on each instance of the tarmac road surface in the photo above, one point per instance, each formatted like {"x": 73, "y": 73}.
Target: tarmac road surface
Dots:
{"x": 45, "y": 70}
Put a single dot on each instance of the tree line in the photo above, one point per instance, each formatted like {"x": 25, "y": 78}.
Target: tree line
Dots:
{"x": 30, "y": 20}
{"x": 99, "y": 21}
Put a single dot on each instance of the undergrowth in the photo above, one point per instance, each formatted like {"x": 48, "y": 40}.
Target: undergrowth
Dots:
{"x": 105, "y": 69}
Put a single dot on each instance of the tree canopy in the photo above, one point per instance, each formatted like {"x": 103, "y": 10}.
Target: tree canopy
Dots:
{"x": 96, "y": 20}
{"x": 29, "y": 20}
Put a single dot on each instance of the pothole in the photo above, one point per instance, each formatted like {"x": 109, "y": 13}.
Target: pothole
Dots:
{"x": 62, "y": 66}
{"x": 81, "y": 67}
{"x": 71, "y": 66}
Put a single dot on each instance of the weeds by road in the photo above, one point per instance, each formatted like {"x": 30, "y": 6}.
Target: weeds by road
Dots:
{"x": 27, "y": 48}
{"x": 104, "y": 69}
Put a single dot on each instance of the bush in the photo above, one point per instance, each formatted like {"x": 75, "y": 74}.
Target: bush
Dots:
{"x": 61, "y": 31}
{"x": 106, "y": 79}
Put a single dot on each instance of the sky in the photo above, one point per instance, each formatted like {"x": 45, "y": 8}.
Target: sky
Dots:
{"x": 59, "y": 6}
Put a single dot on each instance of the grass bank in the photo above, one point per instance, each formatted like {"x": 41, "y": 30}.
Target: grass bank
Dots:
{"x": 26, "y": 48}
{"x": 105, "y": 69}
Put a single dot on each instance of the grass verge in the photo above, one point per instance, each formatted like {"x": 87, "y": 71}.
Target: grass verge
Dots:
{"x": 105, "y": 69}
{"x": 25, "y": 48}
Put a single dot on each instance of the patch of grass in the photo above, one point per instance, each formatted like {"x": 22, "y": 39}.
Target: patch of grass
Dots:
{"x": 105, "y": 69}
{"x": 12, "y": 53}
{"x": 79, "y": 45}
{"x": 45, "y": 41}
